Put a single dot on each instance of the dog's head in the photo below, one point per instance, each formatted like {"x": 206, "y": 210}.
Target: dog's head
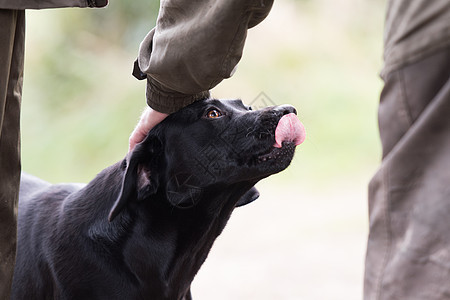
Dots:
{"x": 210, "y": 143}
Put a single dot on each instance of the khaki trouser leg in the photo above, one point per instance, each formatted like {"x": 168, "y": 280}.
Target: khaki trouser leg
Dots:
{"x": 12, "y": 35}
{"x": 408, "y": 254}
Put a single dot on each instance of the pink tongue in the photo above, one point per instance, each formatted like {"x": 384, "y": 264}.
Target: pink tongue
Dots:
{"x": 289, "y": 129}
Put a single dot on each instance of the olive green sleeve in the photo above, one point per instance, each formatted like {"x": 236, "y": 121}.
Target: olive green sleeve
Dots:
{"x": 194, "y": 46}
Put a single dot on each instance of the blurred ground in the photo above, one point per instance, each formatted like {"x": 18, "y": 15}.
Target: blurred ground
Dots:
{"x": 305, "y": 237}
{"x": 290, "y": 244}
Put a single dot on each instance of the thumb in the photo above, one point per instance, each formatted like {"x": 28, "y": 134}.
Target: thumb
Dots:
{"x": 149, "y": 119}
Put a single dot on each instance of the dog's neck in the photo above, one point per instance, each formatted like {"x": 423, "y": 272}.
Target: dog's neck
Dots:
{"x": 191, "y": 232}
{"x": 163, "y": 246}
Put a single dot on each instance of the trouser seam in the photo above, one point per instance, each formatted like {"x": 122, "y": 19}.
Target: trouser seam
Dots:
{"x": 403, "y": 98}
{"x": 388, "y": 239}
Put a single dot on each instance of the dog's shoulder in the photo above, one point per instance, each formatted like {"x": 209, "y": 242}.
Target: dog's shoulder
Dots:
{"x": 39, "y": 199}
{"x": 30, "y": 184}
{"x": 39, "y": 204}
{"x": 32, "y": 187}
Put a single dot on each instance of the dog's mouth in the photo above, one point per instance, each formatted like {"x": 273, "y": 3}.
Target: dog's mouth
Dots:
{"x": 286, "y": 150}
{"x": 289, "y": 133}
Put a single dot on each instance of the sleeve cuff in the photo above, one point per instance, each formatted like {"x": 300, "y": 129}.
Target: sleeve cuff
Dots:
{"x": 167, "y": 101}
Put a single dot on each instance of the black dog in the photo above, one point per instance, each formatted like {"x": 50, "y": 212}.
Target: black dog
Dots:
{"x": 142, "y": 228}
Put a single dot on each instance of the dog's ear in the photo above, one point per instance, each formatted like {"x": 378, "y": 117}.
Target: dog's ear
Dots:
{"x": 138, "y": 181}
{"x": 250, "y": 196}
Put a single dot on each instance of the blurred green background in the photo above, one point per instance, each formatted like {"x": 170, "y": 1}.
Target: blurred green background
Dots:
{"x": 305, "y": 237}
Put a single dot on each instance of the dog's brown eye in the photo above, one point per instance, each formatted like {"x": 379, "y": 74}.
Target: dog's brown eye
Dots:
{"x": 213, "y": 114}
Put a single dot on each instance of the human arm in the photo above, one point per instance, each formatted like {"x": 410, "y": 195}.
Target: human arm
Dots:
{"x": 194, "y": 46}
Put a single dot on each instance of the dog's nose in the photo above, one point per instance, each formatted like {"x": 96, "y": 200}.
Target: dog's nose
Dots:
{"x": 285, "y": 109}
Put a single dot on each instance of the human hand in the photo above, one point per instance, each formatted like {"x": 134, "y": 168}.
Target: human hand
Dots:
{"x": 149, "y": 119}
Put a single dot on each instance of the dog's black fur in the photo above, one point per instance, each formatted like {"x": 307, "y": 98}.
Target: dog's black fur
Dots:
{"x": 142, "y": 228}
